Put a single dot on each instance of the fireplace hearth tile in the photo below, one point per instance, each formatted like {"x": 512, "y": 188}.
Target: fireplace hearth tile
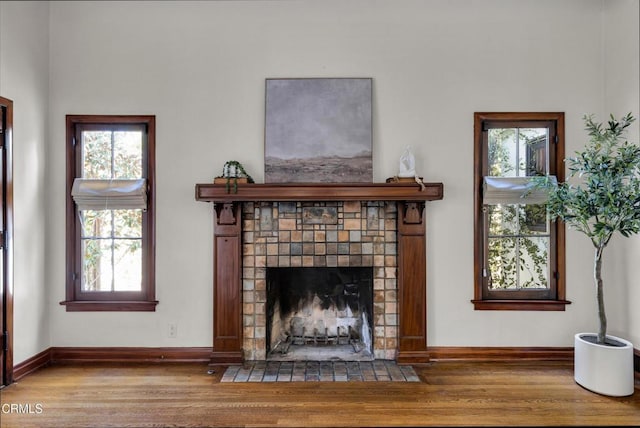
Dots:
{"x": 320, "y": 371}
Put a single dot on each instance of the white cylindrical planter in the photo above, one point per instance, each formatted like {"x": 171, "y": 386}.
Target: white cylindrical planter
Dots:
{"x": 604, "y": 369}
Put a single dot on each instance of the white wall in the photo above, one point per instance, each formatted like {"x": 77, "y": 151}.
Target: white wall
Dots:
{"x": 24, "y": 54}
{"x": 622, "y": 95}
{"x": 200, "y": 68}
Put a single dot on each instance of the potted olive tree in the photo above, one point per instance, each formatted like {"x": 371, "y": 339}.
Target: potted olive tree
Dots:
{"x": 605, "y": 200}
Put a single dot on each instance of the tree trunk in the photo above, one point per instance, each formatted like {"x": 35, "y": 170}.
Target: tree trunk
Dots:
{"x": 597, "y": 276}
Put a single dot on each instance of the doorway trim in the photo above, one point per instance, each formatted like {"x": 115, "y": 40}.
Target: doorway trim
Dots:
{"x": 6, "y": 241}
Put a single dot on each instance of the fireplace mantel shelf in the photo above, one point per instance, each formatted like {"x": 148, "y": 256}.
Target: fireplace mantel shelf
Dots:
{"x": 246, "y": 192}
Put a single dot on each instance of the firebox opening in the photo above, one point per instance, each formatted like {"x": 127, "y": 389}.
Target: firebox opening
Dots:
{"x": 319, "y": 313}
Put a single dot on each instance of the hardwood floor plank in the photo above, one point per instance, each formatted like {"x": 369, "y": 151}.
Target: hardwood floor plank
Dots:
{"x": 184, "y": 395}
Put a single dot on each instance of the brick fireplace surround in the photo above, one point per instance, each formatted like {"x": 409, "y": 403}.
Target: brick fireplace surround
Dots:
{"x": 317, "y": 225}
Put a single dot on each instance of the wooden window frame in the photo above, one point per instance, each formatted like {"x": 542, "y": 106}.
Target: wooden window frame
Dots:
{"x": 524, "y": 300}
{"x": 76, "y": 299}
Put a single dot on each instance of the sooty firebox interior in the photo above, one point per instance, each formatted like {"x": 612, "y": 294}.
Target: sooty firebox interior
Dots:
{"x": 319, "y": 313}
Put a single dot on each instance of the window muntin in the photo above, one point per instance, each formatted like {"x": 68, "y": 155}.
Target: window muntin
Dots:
{"x": 111, "y": 248}
{"x": 517, "y": 257}
{"x": 110, "y": 256}
{"x": 518, "y": 152}
{"x": 112, "y": 152}
{"x": 519, "y": 254}
{"x": 517, "y": 235}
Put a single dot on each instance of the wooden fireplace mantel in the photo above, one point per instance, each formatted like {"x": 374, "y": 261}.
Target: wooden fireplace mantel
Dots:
{"x": 249, "y": 192}
{"x": 227, "y": 262}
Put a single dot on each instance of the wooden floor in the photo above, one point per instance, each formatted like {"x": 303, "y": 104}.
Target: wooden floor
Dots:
{"x": 184, "y": 395}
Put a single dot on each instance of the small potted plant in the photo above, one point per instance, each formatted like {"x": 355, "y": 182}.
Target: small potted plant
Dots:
{"x": 233, "y": 172}
{"x": 605, "y": 201}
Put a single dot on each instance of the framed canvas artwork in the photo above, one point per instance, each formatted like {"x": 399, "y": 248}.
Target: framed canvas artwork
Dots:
{"x": 318, "y": 130}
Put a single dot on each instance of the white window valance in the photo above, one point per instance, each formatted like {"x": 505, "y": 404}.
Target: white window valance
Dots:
{"x": 513, "y": 190}
{"x": 115, "y": 194}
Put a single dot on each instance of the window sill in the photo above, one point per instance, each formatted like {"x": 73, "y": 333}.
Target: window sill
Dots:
{"x": 520, "y": 305}
{"x": 109, "y": 305}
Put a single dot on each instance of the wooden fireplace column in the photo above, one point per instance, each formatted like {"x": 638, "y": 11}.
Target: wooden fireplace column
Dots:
{"x": 227, "y": 290}
{"x": 227, "y": 261}
{"x": 412, "y": 284}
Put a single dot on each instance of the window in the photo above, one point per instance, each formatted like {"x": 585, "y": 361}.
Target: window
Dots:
{"x": 110, "y": 213}
{"x": 519, "y": 253}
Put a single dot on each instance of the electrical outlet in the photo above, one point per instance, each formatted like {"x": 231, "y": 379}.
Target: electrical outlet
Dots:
{"x": 173, "y": 330}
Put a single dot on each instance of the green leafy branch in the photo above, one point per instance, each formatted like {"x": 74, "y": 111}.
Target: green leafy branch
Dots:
{"x": 606, "y": 199}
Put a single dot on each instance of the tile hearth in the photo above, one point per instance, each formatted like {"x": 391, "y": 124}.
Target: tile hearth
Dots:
{"x": 320, "y": 371}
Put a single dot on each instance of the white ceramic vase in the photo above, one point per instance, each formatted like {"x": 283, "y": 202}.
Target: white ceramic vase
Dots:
{"x": 604, "y": 369}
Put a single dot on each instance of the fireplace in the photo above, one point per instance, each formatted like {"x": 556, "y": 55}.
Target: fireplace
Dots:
{"x": 377, "y": 226}
{"x": 284, "y": 240}
{"x": 319, "y": 314}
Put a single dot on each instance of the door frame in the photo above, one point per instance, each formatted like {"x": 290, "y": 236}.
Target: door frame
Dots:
{"x": 6, "y": 280}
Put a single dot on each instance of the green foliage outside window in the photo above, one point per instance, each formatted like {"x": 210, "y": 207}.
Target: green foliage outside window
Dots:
{"x": 517, "y": 234}
{"x": 111, "y": 239}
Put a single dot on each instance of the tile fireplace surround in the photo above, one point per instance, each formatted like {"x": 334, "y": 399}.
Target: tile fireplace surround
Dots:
{"x": 319, "y": 225}
{"x": 319, "y": 234}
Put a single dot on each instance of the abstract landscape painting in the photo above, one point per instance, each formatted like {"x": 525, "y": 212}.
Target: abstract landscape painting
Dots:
{"x": 318, "y": 130}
